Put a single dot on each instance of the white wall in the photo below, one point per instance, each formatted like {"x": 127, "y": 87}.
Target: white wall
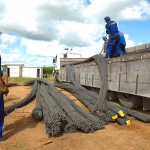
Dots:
{"x": 20, "y": 71}
{"x": 69, "y": 55}
{"x": 14, "y": 71}
{"x": 30, "y": 72}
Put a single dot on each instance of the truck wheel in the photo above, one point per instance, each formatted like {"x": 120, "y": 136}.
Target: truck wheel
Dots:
{"x": 55, "y": 76}
{"x": 129, "y": 101}
{"x": 111, "y": 96}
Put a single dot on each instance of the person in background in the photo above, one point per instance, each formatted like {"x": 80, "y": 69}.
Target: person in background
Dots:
{"x": 112, "y": 49}
{"x": 104, "y": 45}
{"x": 122, "y": 43}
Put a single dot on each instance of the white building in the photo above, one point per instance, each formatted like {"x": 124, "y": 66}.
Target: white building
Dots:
{"x": 64, "y": 58}
{"x": 19, "y": 70}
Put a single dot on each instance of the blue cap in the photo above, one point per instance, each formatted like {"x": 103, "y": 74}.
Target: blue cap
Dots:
{"x": 107, "y": 18}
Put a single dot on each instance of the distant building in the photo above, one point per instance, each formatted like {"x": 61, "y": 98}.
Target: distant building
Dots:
{"x": 19, "y": 70}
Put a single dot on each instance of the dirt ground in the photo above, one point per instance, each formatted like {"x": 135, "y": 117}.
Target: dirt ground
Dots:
{"x": 25, "y": 133}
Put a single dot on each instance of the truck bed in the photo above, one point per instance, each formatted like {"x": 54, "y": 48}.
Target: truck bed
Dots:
{"x": 126, "y": 74}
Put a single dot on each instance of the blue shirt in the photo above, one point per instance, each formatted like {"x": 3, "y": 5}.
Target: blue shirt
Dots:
{"x": 122, "y": 39}
{"x": 111, "y": 27}
{"x": 105, "y": 44}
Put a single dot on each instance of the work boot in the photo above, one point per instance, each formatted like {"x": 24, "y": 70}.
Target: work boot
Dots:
{"x": 2, "y": 138}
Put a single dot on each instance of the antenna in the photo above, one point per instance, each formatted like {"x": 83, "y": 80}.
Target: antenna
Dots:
{"x": 71, "y": 50}
{"x": 66, "y": 50}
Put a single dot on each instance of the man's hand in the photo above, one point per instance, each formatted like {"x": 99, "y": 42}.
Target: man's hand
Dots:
{"x": 3, "y": 88}
{"x": 2, "y": 81}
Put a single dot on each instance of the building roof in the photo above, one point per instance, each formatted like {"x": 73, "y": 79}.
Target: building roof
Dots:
{"x": 21, "y": 65}
{"x": 13, "y": 65}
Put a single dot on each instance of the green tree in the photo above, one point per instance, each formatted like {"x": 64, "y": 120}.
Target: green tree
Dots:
{"x": 48, "y": 70}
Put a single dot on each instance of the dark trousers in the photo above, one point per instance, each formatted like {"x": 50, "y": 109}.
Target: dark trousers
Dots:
{"x": 113, "y": 49}
{"x": 123, "y": 49}
{"x": 1, "y": 114}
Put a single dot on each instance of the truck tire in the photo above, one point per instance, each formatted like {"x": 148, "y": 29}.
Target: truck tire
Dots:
{"x": 129, "y": 101}
{"x": 111, "y": 96}
{"x": 55, "y": 76}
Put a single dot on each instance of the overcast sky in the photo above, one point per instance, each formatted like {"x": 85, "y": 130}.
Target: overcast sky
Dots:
{"x": 34, "y": 31}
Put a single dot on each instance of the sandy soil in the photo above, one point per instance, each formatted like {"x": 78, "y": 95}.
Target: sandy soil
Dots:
{"x": 25, "y": 133}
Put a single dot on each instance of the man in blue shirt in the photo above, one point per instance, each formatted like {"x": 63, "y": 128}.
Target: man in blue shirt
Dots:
{"x": 113, "y": 48}
{"x": 104, "y": 45}
{"x": 122, "y": 43}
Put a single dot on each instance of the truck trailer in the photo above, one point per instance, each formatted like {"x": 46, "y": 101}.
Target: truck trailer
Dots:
{"x": 128, "y": 76}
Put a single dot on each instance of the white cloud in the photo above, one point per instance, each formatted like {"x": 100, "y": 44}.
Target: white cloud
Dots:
{"x": 141, "y": 11}
{"x": 129, "y": 42}
{"x": 41, "y": 19}
{"x": 47, "y": 27}
{"x": 21, "y": 12}
{"x": 41, "y": 48}
{"x": 3, "y": 46}
{"x": 11, "y": 58}
{"x": 6, "y": 38}
{"x": 77, "y": 34}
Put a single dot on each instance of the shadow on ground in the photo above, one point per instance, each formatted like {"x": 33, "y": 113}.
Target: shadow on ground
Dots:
{"x": 19, "y": 125}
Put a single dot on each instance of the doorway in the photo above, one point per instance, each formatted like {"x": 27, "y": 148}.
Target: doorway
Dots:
{"x": 38, "y": 73}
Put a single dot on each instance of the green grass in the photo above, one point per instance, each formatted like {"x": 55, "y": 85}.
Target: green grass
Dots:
{"x": 16, "y": 145}
{"x": 21, "y": 80}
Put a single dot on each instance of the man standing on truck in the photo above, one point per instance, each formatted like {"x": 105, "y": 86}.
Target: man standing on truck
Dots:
{"x": 104, "y": 45}
{"x": 113, "y": 49}
{"x": 122, "y": 44}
